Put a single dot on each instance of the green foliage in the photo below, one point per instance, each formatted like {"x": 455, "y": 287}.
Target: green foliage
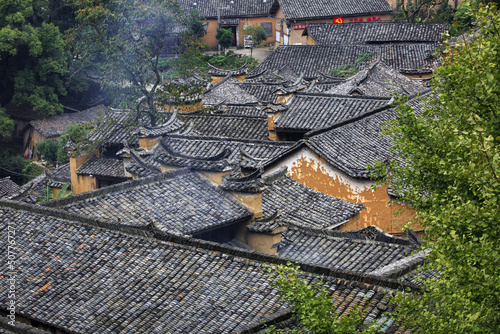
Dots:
{"x": 33, "y": 169}
{"x": 47, "y": 150}
{"x": 452, "y": 174}
{"x": 346, "y": 71}
{"x": 12, "y": 165}
{"x": 232, "y": 61}
{"x": 258, "y": 33}
{"x": 312, "y": 305}
{"x": 129, "y": 36}
{"x": 224, "y": 37}
{"x": 6, "y": 124}
{"x": 77, "y": 133}
{"x": 49, "y": 195}
{"x": 33, "y": 59}
{"x": 194, "y": 23}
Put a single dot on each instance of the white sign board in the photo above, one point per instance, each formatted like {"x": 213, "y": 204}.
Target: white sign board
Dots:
{"x": 248, "y": 40}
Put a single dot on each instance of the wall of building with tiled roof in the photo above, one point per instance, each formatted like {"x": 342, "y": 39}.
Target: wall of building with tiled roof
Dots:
{"x": 300, "y": 10}
{"x": 378, "y": 32}
{"x": 312, "y": 60}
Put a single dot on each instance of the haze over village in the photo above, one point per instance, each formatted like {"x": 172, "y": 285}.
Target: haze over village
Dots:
{"x": 249, "y": 166}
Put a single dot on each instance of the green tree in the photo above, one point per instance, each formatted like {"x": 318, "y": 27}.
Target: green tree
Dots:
{"x": 6, "y": 124}
{"x": 452, "y": 174}
{"x": 47, "y": 150}
{"x": 129, "y": 37}
{"x": 312, "y": 305}
{"x": 224, "y": 37}
{"x": 32, "y": 57}
{"x": 194, "y": 23}
{"x": 258, "y": 33}
{"x": 77, "y": 133}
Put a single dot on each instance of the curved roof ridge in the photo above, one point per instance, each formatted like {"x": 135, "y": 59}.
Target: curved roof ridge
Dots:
{"x": 216, "y": 157}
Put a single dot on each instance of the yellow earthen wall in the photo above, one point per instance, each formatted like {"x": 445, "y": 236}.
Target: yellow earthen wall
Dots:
{"x": 147, "y": 143}
{"x": 211, "y": 41}
{"x": 36, "y": 138}
{"x": 81, "y": 183}
{"x": 263, "y": 242}
{"x": 252, "y": 202}
{"x": 216, "y": 176}
{"x": 418, "y": 76}
{"x": 56, "y": 191}
{"x": 317, "y": 174}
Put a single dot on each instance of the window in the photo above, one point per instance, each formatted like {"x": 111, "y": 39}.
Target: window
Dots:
{"x": 268, "y": 28}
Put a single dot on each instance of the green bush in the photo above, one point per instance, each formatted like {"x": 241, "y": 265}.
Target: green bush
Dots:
{"x": 224, "y": 37}
{"x": 47, "y": 150}
{"x": 77, "y": 133}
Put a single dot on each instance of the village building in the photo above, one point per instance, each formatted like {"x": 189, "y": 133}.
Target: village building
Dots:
{"x": 8, "y": 187}
{"x": 83, "y": 274}
{"x": 336, "y": 161}
{"x": 294, "y": 16}
{"x": 234, "y": 15}
{"x": 311, "y": 111}
{"x": 316, "y": 61}
{"x": 378, "y": 32}
{"x": 54, "y": 126}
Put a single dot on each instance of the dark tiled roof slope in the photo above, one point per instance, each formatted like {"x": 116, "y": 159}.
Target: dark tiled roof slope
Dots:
{"x": 8, "y": 187}
{"x": 304, "y": 206}
{"x": 228, "y": 90}
{"x": 297, "y": 9}
{"x": 114, "y": 128}
{"x": 55, "y": 125}
{"x": 355, "y": 145}
{"x": 179, "y": 202}
{"x": 340, "y": 253}
{"x": 376, "y": 32}
{"x": 237, "y": 8}
{"x": 32, "y": 191}
{"x": 313, "y": 111}
{"x": 240, "y": 110}
{"x": 85, "y": 279}
{"x": 212, "y": 70}
{"x": 264, "y": 93}
{"x": 229, "y": 126}
{"x": 262, "y": 151}
{"x": 316, "y": 59}
{"x": 102, "y": 166}
{"x": 59, "y": 176}
{"x": 378, "y": 80}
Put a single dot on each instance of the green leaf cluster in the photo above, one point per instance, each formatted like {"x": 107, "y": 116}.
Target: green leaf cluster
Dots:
{"x": 312, "y": 304}
{"x": 346, "y": 71}
{"x": 224, "y": 37}
{"x": 452, "y": 174}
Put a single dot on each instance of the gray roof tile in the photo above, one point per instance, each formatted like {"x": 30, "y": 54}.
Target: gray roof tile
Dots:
{"x": 55, "y": 125}
{"x": 236, "y": 9}
{"x": 102, "y": 166}
{"x": 179, "y": 202}
{"x": 308, "y": 111}
{"x": 297, "y": 9}
{"x": 376, "y": 32}
{"x": 8, "y": 187}
{"x": 316, "y": 59}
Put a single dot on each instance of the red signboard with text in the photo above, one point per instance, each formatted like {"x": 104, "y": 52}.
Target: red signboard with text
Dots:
{"x": 338, "y": 19}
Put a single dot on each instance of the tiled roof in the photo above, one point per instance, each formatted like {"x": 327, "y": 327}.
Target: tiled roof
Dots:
{"x": 376, "y": 32}
{"x": 102, "y": 166}
{"x": 304, "y": 206}
{"x": 237, "y": 9}
{"x": 316, "y": 59}
{"x": 281, "y": 74}
{"x": 378, "y": 80}
{"x": 58, "y": 177}
{"x": 172, "y": 124}
{"x": 114, "y": 128}
{"x": 235, "y": 181}
{"x": 180, "y": 202}
{"x": 355, "y": 145}
{"x": 84, "y": 275}
{"x": 263, "y": 92}
{"x": 313, "y": 111}
{"x": 226, "y": 91}
{"x": 32, "y": 191}
{"x": 296, "y": 9}
{"x": 244, "y": 127}
{"x": 214, "y": 71}
{"x": 242, "y": 152}
{"x": 55, "y": 125}
{"x": 8, "y": 187}
{"x": 86, "y": 279}
{"x": 340, "y": 253}
{"x": 240, "y": 110}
